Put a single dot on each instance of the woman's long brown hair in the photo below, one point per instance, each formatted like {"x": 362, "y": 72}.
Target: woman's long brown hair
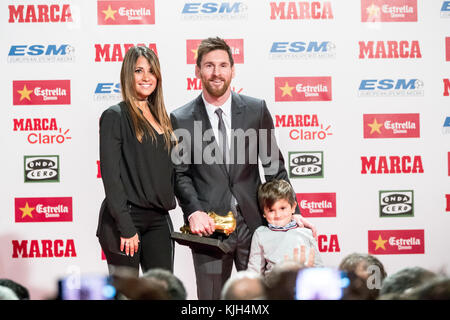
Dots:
{"x": 142, "y": 127}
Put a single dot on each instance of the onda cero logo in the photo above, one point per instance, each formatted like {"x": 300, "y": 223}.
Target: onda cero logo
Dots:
{"x": 41, "y": 168}
{"x": 397, "y": 203}
{"x": 306, "y": 164}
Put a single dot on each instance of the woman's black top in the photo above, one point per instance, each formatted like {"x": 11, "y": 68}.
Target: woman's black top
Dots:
{"x": 133, "y": 172}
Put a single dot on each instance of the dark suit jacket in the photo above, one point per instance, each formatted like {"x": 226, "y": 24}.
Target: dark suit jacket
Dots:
{"x": 203, "y": 186}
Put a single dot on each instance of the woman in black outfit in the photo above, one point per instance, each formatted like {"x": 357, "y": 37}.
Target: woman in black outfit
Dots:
{"x": 135, "y": 142}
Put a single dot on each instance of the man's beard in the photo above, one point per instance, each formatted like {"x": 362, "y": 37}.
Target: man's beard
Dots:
{"x": 214, "y": 91}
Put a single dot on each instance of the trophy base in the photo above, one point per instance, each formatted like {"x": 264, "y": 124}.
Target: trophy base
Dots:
{"x": 200, "y": 243}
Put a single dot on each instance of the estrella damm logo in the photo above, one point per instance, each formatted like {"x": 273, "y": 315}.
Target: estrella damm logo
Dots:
{"x": 41, "y": 92}
{"x": 113, "y": 12}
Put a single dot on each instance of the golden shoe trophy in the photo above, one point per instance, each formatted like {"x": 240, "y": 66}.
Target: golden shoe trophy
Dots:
{"x": 223, "y": 225}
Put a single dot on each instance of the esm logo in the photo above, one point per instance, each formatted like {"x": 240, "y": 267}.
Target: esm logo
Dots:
{"x": 41, "y": 53}
{"x": 302, "y": 50}
{"x": 391, "y": 88}
{"x": 212, "y": 10}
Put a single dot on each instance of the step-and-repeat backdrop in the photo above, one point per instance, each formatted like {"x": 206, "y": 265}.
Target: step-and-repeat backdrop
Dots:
{"x": 358, "y": 91}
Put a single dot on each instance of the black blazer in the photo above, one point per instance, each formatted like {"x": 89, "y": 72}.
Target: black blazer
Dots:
{"x": 203, "y": 186}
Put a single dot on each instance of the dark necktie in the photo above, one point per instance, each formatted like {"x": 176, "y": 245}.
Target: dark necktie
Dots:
{"x": 223, "y": 143}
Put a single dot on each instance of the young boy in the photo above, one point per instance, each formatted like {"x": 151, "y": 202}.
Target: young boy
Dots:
{"x": 281, "y": 237}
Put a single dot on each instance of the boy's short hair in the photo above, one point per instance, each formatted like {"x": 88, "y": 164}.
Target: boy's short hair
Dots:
{"x": 211, "y": 44}
{"x": 272, "y": 191}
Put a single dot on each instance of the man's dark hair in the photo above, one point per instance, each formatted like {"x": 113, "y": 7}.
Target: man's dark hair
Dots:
{"x": 175, "y": 288}
{"x": 20, "y": 291}
{"x": 272, "y": 191}
{"x": 356, "y": 265}
{"x": 436, "y": 289}
{"x": 211, "y": 44}
{"x": 407, "y": 278}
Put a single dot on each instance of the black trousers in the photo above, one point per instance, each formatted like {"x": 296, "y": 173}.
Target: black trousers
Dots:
{"x": 212, "y": 270}
{"x": 156, "y": 248}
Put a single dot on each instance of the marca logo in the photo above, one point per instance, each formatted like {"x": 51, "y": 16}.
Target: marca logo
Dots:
{"x": 302, "y": 88}
{"x": 395, "y": 125}
{"x": 36, "y": 126}
{"x": 202, "y": 10}
{"x": 39, "y": 13}
{"x": 107, "y": 91}
{"x": 445, "y": 9}
{"x": 38, "y": 53}
{"x": 60, "y": 248}
{"x": 447, "y": 48}
{"x": 308, "y": 164}
{"x": 397, "y": 203}
{"x": 41, "y": 92}
{"x": 115, "y": 52}
{"x": 194, "y": 84}
{"x": 125, "y": 12}
{"x": 41, "y": 168}
{"x": 396, "y": 241}
{"x": 391, "y": 88}
{"x": 43, "y": 209}
{"x": 302, "y": 50}
{"x": 317, "y": 205}
{"x": 305, "y": 126}
{"x": 446, "y": 126}
{"x": 301, "y": 10}
{"x": 446, "y": 87}
{"x": 395, "y": 164}
{"x": 389, "y": 49}
{"x": 328, "y": 243}
{"x": 447, "y": 198}
{"x": 236, "y": 46}
{"x": 388, "y": 10}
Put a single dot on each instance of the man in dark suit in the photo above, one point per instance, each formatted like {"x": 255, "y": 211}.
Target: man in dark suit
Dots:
{"x": 221, "y": 137}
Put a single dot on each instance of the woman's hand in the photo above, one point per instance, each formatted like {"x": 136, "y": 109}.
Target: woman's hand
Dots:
{"x": 131, "y": 245}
